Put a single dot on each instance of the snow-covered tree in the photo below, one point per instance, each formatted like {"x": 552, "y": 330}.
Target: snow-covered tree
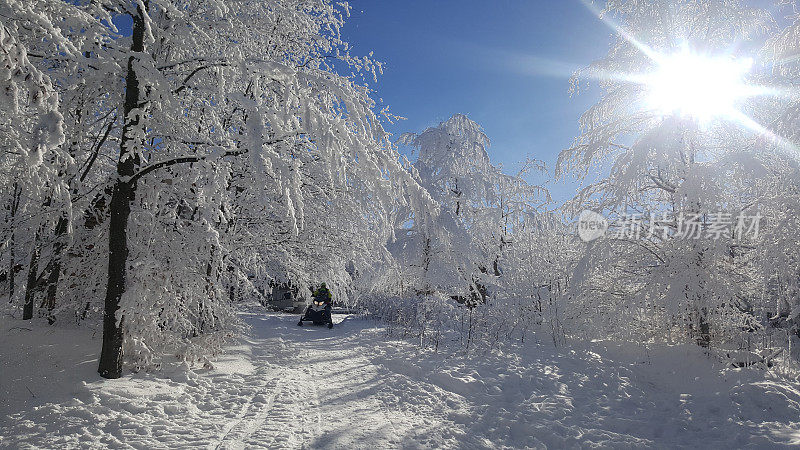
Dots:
{"x": 776, "y": 190}
{"x": 234, "y": 139}
{"x": 657, "y": 162}
{"x": 453, "y": 166}
{"x": 37, "y": 165}
{"x": 476, "y": 248}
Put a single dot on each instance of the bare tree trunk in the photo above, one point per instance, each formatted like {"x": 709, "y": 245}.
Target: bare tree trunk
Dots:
{"x": 11, "y": 280}
{"x": 110, "y": 365}
{"x": 469, "y": 331}
{"x": 33, "y": 275}
{"x": 11, "y": 268}
{"x": 55, "y": 267}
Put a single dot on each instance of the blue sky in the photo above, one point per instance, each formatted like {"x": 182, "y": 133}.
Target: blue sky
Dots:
{"x": 505, "y": 63}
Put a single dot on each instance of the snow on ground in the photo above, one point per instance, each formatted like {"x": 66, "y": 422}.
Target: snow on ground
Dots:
{"x": 289, "y": 387}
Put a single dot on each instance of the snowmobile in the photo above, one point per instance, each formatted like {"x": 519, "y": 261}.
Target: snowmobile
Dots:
{"x": 318, "y": 312}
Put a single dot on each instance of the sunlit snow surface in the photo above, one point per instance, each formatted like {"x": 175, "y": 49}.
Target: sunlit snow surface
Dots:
{"x": 290, "y": 387}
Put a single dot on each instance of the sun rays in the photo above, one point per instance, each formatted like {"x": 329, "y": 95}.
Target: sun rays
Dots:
{"x": 696, "y": 86}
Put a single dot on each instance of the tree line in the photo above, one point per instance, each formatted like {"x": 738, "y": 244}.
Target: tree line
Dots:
{"x": 162, "y": 161}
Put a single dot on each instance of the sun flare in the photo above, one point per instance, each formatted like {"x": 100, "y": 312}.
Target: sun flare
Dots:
{"x": 697, "y": 86}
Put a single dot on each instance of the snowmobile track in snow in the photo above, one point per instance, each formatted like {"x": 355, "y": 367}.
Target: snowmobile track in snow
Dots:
{"x": 245, "y": 426}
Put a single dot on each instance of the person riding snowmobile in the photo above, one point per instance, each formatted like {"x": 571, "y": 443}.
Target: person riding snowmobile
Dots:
{"x": 319, "y": 311}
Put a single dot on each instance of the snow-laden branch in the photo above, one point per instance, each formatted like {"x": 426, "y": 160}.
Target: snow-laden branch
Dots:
{"x": 193, "y": 159}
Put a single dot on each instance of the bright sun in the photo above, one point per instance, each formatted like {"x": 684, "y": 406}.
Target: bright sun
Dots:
{"x": 697, "y": 86}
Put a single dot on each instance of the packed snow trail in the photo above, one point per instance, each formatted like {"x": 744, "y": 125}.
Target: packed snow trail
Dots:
{"x": 285, "y": 386}
{"x": 282, "y": 387}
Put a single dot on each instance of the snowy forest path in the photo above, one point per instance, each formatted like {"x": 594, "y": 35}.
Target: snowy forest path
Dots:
{"x": 280, "y": 387}
{"x": 287, "y": 387}
{"x": 333, "y": 394}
